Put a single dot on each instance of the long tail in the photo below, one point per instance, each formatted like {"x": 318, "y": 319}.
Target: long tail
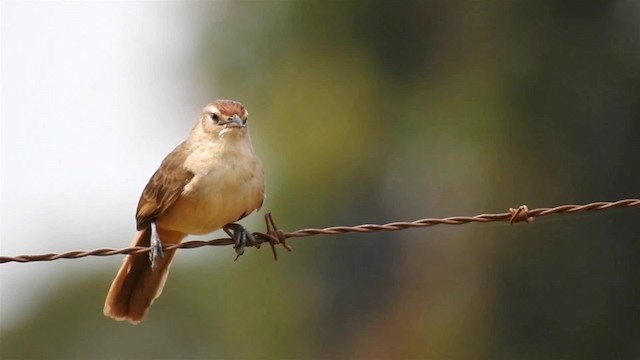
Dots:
{"x": 136, "y": 285}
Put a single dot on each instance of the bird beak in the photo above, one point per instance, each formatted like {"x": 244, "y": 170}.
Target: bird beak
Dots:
{"x": 236, "y": 121}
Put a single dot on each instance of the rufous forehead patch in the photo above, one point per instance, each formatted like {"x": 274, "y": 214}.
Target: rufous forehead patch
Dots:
{"x": 230, "y": 107}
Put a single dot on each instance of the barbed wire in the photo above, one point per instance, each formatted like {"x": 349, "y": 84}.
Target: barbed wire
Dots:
{"x": 274, "y": 236}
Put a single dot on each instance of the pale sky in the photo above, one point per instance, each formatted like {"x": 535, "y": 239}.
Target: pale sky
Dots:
{"x": 92, "y": 96}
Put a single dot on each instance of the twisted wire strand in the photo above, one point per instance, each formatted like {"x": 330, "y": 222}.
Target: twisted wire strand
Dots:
{"x": 274, "y": 236}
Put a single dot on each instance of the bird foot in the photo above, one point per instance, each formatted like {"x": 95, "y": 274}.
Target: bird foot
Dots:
{"x": 156, "y": 252}
{"x": 241, "y": 237}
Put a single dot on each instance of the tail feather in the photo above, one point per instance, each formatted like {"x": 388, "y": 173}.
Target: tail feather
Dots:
{"x": 136, "y": 285}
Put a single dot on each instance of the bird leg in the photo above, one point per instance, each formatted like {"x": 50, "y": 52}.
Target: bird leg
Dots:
{"x": 240, "y": 236}
{"x": 155, "y": 253}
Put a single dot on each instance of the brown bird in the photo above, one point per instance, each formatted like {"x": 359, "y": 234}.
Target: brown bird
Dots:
{"x": 208, "y": 182}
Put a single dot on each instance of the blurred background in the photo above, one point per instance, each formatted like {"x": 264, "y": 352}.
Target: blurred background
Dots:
{"x": 363, "y": 112}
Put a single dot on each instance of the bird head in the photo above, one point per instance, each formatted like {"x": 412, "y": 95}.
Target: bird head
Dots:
{"x": 223, "y": 117}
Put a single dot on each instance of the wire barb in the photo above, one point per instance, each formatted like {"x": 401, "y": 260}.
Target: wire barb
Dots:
{"x": 520, "y": 214}
{"x": 274, "y": 236}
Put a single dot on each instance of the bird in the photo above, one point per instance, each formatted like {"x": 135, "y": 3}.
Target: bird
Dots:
{"x": 208, "y": 182}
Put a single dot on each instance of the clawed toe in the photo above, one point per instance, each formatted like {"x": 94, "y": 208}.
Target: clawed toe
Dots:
{"x": 241, "y": 238}
{"x": 156, "y": 252}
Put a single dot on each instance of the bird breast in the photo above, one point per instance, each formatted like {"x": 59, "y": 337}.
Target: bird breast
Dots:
{"x": 228, "y": 184}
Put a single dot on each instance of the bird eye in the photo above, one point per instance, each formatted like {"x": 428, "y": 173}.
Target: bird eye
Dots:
{"x": 215, "y": 117}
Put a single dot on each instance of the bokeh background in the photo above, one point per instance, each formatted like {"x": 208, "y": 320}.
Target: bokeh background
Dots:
{"x": 363, "y": 112}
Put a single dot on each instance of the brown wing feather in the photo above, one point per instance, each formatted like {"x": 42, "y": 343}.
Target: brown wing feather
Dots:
{"x": 164, "y": 187}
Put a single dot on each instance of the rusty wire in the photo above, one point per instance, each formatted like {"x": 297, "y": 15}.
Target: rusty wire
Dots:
{"x": 274, "y": 236}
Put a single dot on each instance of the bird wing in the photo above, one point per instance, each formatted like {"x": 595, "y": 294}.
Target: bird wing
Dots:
{"x": 164, "y": 187}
